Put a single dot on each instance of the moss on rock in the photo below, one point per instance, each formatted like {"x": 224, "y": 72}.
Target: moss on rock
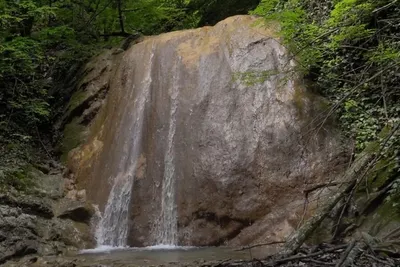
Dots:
{"x": 73, "y": 135}
{"x": 76, "y": 100}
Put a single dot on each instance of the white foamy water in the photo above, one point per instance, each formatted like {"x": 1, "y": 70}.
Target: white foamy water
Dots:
{"x": 107, "y": 249}
{"x": 113, "y": 226}
{"x": 101, "y": 249}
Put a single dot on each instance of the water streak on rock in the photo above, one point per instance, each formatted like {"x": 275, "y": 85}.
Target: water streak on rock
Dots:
{"x": 112, "y": 230}
{"x": 167, "y": 231}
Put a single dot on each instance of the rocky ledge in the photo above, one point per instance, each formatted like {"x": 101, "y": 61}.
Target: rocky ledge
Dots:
{"x": 42, "y": 223}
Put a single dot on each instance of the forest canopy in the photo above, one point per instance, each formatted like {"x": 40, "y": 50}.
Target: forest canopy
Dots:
{"x": 42, "y": 40}
{"x": 44, "y": 43}
{"x": 348, "y": 51}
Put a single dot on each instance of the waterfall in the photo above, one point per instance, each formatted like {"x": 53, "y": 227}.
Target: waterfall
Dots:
{"x": 167, "y": 228}
{"x": 112, "y": 229}
{"x": 113, "y": 225}
{"x": 196, "y": 127}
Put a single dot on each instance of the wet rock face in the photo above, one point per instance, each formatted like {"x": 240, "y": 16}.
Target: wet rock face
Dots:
{"x": 87, "y": 91}
{"x": 25, "y": 231}
{"x": 28, "y": 224}
{"x": 224, "y": 113}
{"x": 76, "y": 211}
{"x": 17, "y": 233}
{"x": 29, "y": 205}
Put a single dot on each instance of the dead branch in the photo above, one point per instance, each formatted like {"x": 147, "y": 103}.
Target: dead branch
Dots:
{"x": 379, "y": 260}
{"x": 306, "y": 202}
{"x": 350, "y": 228}
{"x": 307, "y": 191}
{"x": 220, "y": 264}
{"x": 351, "y": 254}
{"x": 336, "y": 106}
{"x": 295, "y": 241}
{"x": 346, "y": 204}
{"x": 377, "y": 196}
{"x": 352, "y": 177}
{"x": 395, "y": 231}
{"x": 117, "y": 34}
{"x": 260, "y": 245}
{"x": 321, "y": 263}
{"x": 384, "y": 7}
{"x": 390, "y": 253}
{"x": 300, "y": 257}
{"x": 345, "y": 254}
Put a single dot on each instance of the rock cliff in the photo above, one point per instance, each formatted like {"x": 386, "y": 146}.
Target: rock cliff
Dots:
{"x": 211, "y": 126}
{"x": 42, "y": 222}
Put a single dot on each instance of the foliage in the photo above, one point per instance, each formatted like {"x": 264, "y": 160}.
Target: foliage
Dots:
{"x": 350, "y": 50}
{"x": 43, "y": 42}
{"x": 209, "y": 12}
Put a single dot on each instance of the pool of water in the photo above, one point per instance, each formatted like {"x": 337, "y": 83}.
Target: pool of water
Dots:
{"x": 164, "y": 255}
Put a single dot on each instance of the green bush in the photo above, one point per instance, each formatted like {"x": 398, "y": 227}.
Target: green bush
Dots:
{"x": 350, "y": 50}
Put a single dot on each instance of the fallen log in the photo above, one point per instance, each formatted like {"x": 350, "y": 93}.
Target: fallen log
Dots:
{"x": 261, "y": 245}
{"x": 350, "y": 177}
{"x": 311, "y": 255}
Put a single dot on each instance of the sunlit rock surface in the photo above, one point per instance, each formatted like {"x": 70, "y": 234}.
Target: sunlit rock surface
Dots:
{"x": 207, "y": 138}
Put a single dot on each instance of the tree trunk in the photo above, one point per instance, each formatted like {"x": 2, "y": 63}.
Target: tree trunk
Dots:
{"x": 120, "y": 16}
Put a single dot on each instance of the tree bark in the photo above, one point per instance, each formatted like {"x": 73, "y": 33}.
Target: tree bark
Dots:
{"x": 120, "y": 16}
{"x": 351, "y": 254}
{"x": 116, "y": 34}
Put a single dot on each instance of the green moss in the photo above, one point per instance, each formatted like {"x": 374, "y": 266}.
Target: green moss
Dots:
{"x": 372, "y": 147}
{"x": 382, "y": 219}
{"x": 298, "y": 100}
{"x": 381, "y": 173}
{"x": 76, "y": 100}
{"x": 250, "y": 78}
{"x": 321, "y": 234}
{"x": 19, "y": 178}
{"x": 73, "y": 137}
{"x": 323, "y": 105}
{"x": 385, "y": 215}
{"x": 390, "y": 210}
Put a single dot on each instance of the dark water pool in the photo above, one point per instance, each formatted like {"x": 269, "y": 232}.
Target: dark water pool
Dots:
{"x": 164, "y": 255}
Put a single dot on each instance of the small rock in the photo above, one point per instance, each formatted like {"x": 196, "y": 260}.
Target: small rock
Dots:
{"x": 81, "y": 195}
{"x": 71, "y": 194}
{"x": 51, "y": 185}
{"x": 118, "y": 51}
{"x": 77, "y": 211}
{"x": 18, "y": 236}
{"x": 43, "y": 168}
{"x": 69, "y": 184}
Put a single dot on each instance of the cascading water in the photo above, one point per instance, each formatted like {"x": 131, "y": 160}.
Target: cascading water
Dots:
{"x": 112, "y": 229}
{"x": 167, "y": 229}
